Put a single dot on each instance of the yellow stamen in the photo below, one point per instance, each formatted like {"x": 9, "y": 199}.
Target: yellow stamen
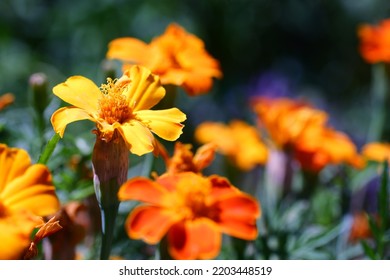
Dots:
{"x": 113, "y": 106}
{"x": 192, "y": 197}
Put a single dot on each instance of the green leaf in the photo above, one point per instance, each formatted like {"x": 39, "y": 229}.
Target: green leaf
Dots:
{"x": 369, "y": 251}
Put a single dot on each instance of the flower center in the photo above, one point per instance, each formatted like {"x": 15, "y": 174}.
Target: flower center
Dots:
{"x": 113, "y": 106}
{"x": 194, "y": 198}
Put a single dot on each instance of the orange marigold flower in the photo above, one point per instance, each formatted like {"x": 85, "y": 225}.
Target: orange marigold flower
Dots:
{"x": 285, "y": 120}
{"x": 184, "y": 159}
{"x": 192, "y": 211}
{"x": 327, "y": 147}
{"x": 6, "y": 100}
{"x": 360, "y": 228}
{"x": 122, "y": 105}
{"x": 375, "y": 41}
{"x": 179, "y": 58}
{"x": 26, "y": 192}
{"x": 298, "y": 128}
{"x": 238, "y": 140}
{"x": 376, "y": 151}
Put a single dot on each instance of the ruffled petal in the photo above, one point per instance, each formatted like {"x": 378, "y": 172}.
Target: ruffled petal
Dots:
{"x": 221, "y": 188}
{"x": 237, "y": 216}
{"x": 197, "y": 239}
{"x": 137, "y": 136}
{"x": 145, "y": 89}
{"x": 143, "y": 189}
{"x": 164, "y": 123}
{"x": 80, "y": 92}
{"x": 13, "y": 163}
{"x": 33, "y": 191}
{"x": 64, "y": 116}
{"x": 150, "y": 223}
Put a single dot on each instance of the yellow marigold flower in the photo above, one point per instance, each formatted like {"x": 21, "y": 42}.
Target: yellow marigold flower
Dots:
{"x": 26, "y": 192}
{"x": 301, "y": 130}
{"x": 376, "y": 151}
{"x": 122, "y": 106}
{"x": 191, "y": 211}
{"x": 239, "y": 141}
{"x": 179, "y": 58}
{"x": 375, "y": 41}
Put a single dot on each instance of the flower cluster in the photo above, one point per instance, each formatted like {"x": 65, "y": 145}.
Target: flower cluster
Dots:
{"x": 301, "y": 130}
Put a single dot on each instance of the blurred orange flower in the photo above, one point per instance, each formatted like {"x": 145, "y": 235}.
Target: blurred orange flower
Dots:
{"x": 298, "y": 128}
{"x": 6, "y": 100}
{"x": 26, "y": 193}
{"x": 360, "y": 228}
{"x": 327, "y": 147}
{"x": 179, "y": 58}
{"x": 238, "y": 140}
{"x": 375, "y": 41}
{"x": 376, "y": 151}
{"x": 122, "y": 105}
{"x": 192, "y": 211}
{"x": 184, "y": 159}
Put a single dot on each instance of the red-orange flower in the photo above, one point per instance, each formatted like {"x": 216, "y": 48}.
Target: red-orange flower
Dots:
{"x": 301, "y": 130}
{"x": 26, "y": 193}
{"x": 375, "y": 41}
{"x": 192, "y": 211}
{"x": 238, "y": 140}
{"x": 178, "y": 57}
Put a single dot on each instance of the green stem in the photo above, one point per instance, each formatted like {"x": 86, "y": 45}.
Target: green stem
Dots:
{"x": 109, "y": 205}
{"x": 163, "y": 249}
{"x": 379, "y": 95}
{"x": 110, "y": 165}
{"x": 49, "y": 149}
{"x": 310, "y": 182}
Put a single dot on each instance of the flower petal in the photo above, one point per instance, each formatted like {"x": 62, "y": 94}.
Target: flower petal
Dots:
{"x": 137, "y": 136}
{"x": 197, "y": 239}
{"x": 130, "y": 50}
{"x": 33, "y": 191}
{"x": 164, "y": 123}
{"x": 15, "y": 231}
{"x": 150, "y": 223}
{"x": 145, "y": 89}
{"x": 237, "y": 216}
{"x": 13, "y": 163}
{"x": 80, "y": 92}
{"x": 144, "y": 190}
{"x": 66, "y": 115}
